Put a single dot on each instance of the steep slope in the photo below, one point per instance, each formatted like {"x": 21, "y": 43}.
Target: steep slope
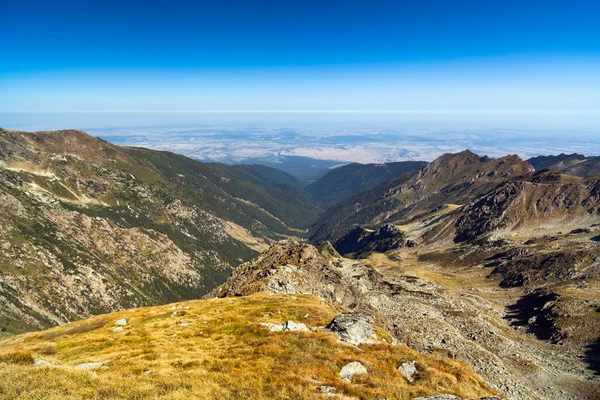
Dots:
{"x": 349, "y": 180}
{"x": 544, "y": 201}
{"x": 540, "y": 202}
{"x": 88, "y": 227}
{"x": 218, "y": 349}
{"x": 450, "y": 179}
{"x": 569, "y": 164}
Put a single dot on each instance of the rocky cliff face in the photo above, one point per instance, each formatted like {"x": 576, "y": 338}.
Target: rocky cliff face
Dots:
{"x": 88, "y": 227}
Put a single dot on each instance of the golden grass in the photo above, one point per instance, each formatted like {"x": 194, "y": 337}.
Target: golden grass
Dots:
{"x": 224, "y": 353}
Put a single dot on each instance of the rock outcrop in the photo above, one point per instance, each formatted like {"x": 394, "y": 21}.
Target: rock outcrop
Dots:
{"x": 352, "y": 327}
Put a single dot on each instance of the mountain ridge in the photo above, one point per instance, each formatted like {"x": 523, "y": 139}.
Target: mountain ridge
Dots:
{"x": 348, "y": 180}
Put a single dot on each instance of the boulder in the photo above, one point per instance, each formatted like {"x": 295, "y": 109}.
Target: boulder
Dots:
{"x": 408, "y": 370}
{"x": 351, "y": 369}
{"x": 121, "y": 322}
{"x": 352, "y": 327}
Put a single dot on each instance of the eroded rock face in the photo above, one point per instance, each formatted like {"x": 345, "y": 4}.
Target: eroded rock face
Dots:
{"x": 352, "y": 327}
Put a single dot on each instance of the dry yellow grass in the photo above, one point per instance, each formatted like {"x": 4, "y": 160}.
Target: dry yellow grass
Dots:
{"x": 224, "y": 353}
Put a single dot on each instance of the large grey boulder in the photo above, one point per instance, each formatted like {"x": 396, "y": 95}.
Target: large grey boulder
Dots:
{"x": 351, "y": 369}
{"x": 352, "y": 327}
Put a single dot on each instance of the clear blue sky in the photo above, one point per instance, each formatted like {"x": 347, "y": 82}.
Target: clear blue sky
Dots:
{"x": 372, "y": 55}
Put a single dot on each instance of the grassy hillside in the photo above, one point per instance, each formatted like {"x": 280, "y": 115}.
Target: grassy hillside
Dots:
{"x": 216, "y": 349}
{"x": 348, "y": 180}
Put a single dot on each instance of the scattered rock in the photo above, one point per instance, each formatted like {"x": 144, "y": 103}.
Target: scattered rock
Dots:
{"x": 118, "y": 329}
{"x": 90, "y": 365}
{"x": 352, "y": 327}
{"x": 184, "y": 324}
{"x": 121, "y": 322}
{"x": 408, "y": 370}
{"x": 42, "y": 363}
{"x": 351, "y": 369}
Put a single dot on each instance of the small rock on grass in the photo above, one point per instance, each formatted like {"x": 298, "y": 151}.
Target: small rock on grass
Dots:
{"x": 293, "y": 326}
{"x": 90, "y": 365}
{"x": 42, "y": 363}
{"x": 351, "y": 369}
{"x": 121, "y": 322}
{"x": 408, "y": 370}
{"x": 286, "y": 326}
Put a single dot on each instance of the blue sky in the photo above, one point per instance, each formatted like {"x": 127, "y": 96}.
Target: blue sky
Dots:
{"x": 474, "y": 56}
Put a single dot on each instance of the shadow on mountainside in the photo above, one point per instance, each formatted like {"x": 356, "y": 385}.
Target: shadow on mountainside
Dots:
{"x": 592, "y": 356}
{"x": 534, "y": 311}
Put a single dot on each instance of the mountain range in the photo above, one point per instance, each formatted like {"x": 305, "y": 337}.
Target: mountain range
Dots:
{"x": 481, "y": 274}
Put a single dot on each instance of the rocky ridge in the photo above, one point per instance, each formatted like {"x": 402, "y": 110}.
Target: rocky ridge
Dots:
{"x": 420, "y": 314}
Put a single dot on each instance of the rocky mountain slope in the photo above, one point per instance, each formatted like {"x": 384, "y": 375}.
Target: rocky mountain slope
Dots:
{"x": 569, "y": 164}
{"x": 89, "y": 227}
{"x": 545, "y": 201}
{"x": 349, "y": 180}
{"x": 450, "y": 179}
{"x": 454, "y": 312}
